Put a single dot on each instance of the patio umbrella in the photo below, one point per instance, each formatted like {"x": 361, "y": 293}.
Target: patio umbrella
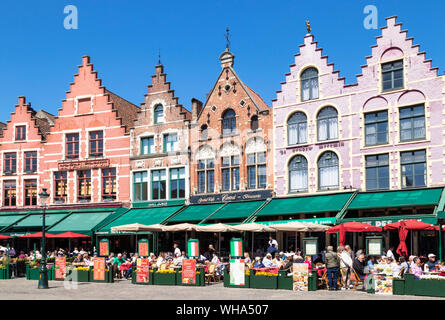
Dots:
{"x": 253, "y": 227}
{"x": 136, "y": 227}
{"x": 217, "y": 227}
{"x": 68, "y": 235}
{"x": 37, "y": 235}
{"x": 290, "y": 226}
{"x": 315, "y": 227}
{"x": 180, "y": 227}
{"x": 352, "y": 226}
{"x": 403, "y": 232}
{"x": 411, "y": 225}
{"x": 2, "y": 236}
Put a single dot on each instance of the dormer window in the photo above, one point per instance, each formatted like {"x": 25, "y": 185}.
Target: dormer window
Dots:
{"x": 392, "y": 75}
{"x": 20, "y": 133}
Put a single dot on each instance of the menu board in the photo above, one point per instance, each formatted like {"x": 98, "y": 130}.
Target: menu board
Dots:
{"x": 143, "y": 248}
{"x": 188, "y": 271}
{"x": 99, "y": 269}
{"x": 310, "y": 249}
{"x": 60, "y": 267}
{"x": 374, "y": 247}
{"x": 237, "y": 272}
{"x": 300, "y": 275}
{"x": 383, "y": 284}
{"x": 142, "y": 270}
{"x": 104, "y": 247}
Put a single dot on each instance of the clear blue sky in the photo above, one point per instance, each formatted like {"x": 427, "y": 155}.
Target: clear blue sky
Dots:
{"x": 38, "y": 57}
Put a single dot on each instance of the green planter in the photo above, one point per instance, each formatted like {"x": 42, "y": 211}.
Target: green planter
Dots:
{"x": 430, "y": 288}
{"x": 398, "y": 286}
{"x": 263, "y": 282}
{"x": 164, "y": 279}
{"x": 284, "y": 281}
{"x": 32, "y": 274}
{"x": 227, "y": 280}
{"x": 79, "y": 275}
{"x": 108, "y": 277}
{"x": 312, "y": 281}
{"x": 150, "y": 279}
{"x": 199, "y": 279}
{"x": 5, "y": 273}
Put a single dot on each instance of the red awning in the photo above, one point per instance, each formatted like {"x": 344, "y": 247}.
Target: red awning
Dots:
{"x": 37, "y": 235}
{"x": 2, "y": 236}
{"x": 411, "y": 225}
{"x": 67, "y": 235}
{"x": 354, "y": 227}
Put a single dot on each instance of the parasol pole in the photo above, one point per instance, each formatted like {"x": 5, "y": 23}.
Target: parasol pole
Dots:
{"x": 219, "y": 243}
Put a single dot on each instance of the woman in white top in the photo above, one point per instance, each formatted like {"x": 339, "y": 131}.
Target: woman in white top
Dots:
{"x": 160, "y": 260}
{"x": 215, "y": 259}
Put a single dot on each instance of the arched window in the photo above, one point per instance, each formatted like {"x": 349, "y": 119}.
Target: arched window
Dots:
{"x": 254, "y": 123}
{"x": 328, "y": 171}
{"x": 309, "y": 84}
{"x": 296, "y": 128}
{"x": 327, "y": 124}
{"x": 229, "y": 122}
{"x": 204, "y": 132}
{"x": 298, "y": 174}
{"x": 159, "y": 114}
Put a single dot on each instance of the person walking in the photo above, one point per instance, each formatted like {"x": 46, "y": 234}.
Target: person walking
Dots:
{"x": 332, "y": 265}
{"x": 345, "y": 265}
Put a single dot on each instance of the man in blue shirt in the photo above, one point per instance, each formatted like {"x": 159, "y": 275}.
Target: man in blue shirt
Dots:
{"x": 431, "y": 263}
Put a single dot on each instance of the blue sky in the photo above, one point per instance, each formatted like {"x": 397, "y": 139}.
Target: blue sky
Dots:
{"x": 38, "y": 56}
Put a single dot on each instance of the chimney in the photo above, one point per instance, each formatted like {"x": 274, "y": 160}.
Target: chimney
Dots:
{"x": 196, "y": 108}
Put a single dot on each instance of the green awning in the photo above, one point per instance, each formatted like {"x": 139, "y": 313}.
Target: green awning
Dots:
{"x": 8, "y": 220}
{"x": 384, "y": 220}
{"x": 236, "y": 210}
{"x": 392, "y": 199}
{"x": 306, "y": 205}
{"x": 35, "y": 220}
{"x": 328, "y": 220}
{"x": 80, "y": 222}
{"x": 195, "y": 213}
{"x": 143, "y": 216}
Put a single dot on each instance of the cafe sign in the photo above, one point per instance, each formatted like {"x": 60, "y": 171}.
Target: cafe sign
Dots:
{"x": 231, "y": 197}
{"x": 83, "y": 164}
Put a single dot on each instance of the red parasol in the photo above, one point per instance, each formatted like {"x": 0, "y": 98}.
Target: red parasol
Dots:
{"x": 341, "y": 236}
{"x": 68, "y": 235}
{"x": 352, "y": 226}
{"x": 403, "y": 233}
{"x": 2, "y": 236}
{"x": 37, "y": 235}
{"x": 411, "y": 225}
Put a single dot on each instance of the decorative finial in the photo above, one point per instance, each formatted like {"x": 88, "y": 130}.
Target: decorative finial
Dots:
{"x": 159, "y": 56}
{"x": 227, "y": 39}
{"x": 308, "y": 26}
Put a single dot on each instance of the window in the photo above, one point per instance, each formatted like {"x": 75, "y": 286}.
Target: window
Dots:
{"x": 412, "y": 123}
{"x": 309, "y": 84}
{"x": 230, "y": 173}
{"x": 376, "y": 128}
{"x": 204, "y": 132}
{"x": 84, "y": 185}
{"x": 109, "y": 184}
{"x": 72, "y": 146}
{"x": 177, "y": 183}
{"x": 170, "y": 142}
{"x": 254, "y": 123}
{"x": 158, "y": 185}
{"x": 96, "y": 144}
{"x": 206, "y": 176}
{"x": 31, "y": 161}
{"x": 147, "y": 145}
{"x": 140, "y": 186}
{"x": 256, "y": 170}
{"x": 229, "y": 122}
{"x": 10, "y": 193}
{"x": 392, "y": 75}
{"x": 30, "y": 192}
{"x": 20, "y": 133}
{"x": 60, "y": 186}
{"x": 328, "y": 171}
{"x": 10, "y": 163}
{"x": 296, "y": 128}
{"x": 327, "y": 124}
{"x": 377, "y": 172}
{"x": 413, "y": 168}
{"x": 298, "y": 177}
{"x": 159, "y": 114}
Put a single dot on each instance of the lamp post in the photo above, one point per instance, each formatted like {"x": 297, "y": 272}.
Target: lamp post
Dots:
{"x": 43, "y": 279}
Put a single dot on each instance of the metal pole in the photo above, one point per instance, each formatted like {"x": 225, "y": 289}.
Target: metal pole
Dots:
{"x": 43, "y": 280}
{"x": 440, "y": 242}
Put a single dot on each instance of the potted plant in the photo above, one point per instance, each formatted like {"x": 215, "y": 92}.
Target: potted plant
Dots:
{"x": 33, "y": 270}
{"x": 398, "y": 286}
{"x": 164, "y": 277}
{"x": 5, "y": 271}
{"x": 79, "y": 274}
{"x": 263, "y": 280}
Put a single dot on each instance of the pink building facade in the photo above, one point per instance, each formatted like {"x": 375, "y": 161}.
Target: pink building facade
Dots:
{"x": 385, "y": 132}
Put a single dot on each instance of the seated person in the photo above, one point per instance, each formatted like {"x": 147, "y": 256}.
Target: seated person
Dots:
{"x": 258, "y": 263}
{"x": 267, "y": 260}
{"x": 359, "y": 266}
{"x": 416, "y": 269}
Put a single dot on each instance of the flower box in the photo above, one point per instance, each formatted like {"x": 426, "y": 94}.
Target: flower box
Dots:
{"x": 284, "y": 280}
{"x": 79, "y": 275}
{"x": 398, "y": 286}
{"x": 32, "y": 273}
{"x": 164, "y": 278}
{"x": 199, "y": 279}
{"x": 150, "y": 278}
{"x": 227, "y": 280}
{"x": 5, "y": 273}
{"x": 263, "y": 281}
{"x": 108, "y": 276}
{"x": 424, "y": 287}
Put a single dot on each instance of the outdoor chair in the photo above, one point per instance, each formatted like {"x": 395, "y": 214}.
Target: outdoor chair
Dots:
{"x": 324, "y": 280}
{"x": 356, "y": 279}
{"x": 211, "y": 273}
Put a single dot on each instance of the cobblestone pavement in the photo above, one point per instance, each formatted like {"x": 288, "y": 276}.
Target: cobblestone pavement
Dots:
{"x": 27, "y": 289}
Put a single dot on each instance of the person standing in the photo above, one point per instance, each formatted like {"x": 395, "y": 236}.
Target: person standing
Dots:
{"x": 345, "y": 265}
{"x": 177, "y": 251}
{"x": 272, "y": 242}
{"x": 390, "y": 254}
{"x": 332, "y": 265}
